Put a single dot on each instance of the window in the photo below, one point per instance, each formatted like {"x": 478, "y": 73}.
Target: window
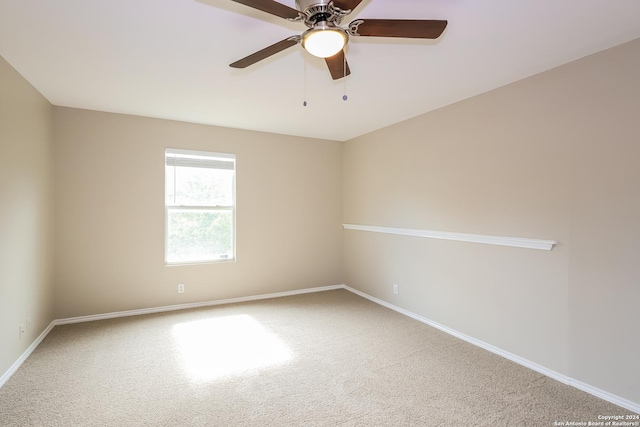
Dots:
{"x": 199, "y": 206}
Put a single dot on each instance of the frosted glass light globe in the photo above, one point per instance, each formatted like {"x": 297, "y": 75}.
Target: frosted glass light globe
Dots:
{"x": 324, "y": 43}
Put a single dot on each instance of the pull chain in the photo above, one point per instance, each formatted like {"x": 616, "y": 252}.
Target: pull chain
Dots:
{"x": 304, "y": 101}
{"x": 344, "y": 75}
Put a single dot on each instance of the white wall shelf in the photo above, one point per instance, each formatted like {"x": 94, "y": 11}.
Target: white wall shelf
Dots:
{"x": 517, "y": 242}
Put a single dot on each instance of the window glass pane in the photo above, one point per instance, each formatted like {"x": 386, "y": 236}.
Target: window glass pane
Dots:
{"x": 188, "y": 186}
{"x": 199, "y": 235}
{"x": 169, "y": 188}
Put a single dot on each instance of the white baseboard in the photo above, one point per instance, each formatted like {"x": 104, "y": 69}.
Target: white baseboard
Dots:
{"x": 162, "y": 309}
{"x": 5, "y": 377}
{"x": 604, "y": 395}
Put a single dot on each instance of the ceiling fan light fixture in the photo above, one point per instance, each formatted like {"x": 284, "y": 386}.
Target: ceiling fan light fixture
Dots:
{"x": 324, "y": 41}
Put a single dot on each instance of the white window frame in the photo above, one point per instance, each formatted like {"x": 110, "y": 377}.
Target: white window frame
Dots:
{"x": 223, "y": 158}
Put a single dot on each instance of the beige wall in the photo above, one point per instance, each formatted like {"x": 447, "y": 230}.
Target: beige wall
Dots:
{"x": 555, "y": 156}
{"x": 26, "y": 209}
{"x": 109, "y": 180}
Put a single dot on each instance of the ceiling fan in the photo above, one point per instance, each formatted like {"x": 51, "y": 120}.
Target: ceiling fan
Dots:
{"x": 325, "y": 37}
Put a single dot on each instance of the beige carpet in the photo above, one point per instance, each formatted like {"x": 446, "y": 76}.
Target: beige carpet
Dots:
{"x": 323, "y": 359}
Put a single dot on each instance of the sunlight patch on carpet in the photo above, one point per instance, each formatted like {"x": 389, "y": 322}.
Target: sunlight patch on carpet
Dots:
{"x": 231, "y": 345}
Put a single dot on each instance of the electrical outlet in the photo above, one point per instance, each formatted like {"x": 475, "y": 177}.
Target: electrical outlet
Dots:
{"x": 22, "y": 330}
{"x": 181, "y": 288}
{"x": 395, "y": 289}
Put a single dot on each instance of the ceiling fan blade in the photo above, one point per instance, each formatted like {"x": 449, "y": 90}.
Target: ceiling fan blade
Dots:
{"x": 407, "y": 28}
{"x": 346, "y": 4}
{"x": 265, "y": 53}
{"x": 272, "y": 7}
{"x": 338, "y": 66}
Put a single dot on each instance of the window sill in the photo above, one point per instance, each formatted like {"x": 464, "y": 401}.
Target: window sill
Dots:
{"x": 215, "y": 261}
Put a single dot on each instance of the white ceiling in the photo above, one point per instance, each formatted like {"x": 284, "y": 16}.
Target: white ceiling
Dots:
{"x": 169, "y": 58}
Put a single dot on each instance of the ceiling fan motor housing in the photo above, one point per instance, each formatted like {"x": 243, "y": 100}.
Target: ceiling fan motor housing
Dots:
{"x": 315, "y": 11}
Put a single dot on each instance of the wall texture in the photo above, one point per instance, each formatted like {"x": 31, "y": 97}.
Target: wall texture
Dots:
{"x": 555, "y": 156}
{"x": 26, "y": 210}
{"x": 109, "y": 181}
